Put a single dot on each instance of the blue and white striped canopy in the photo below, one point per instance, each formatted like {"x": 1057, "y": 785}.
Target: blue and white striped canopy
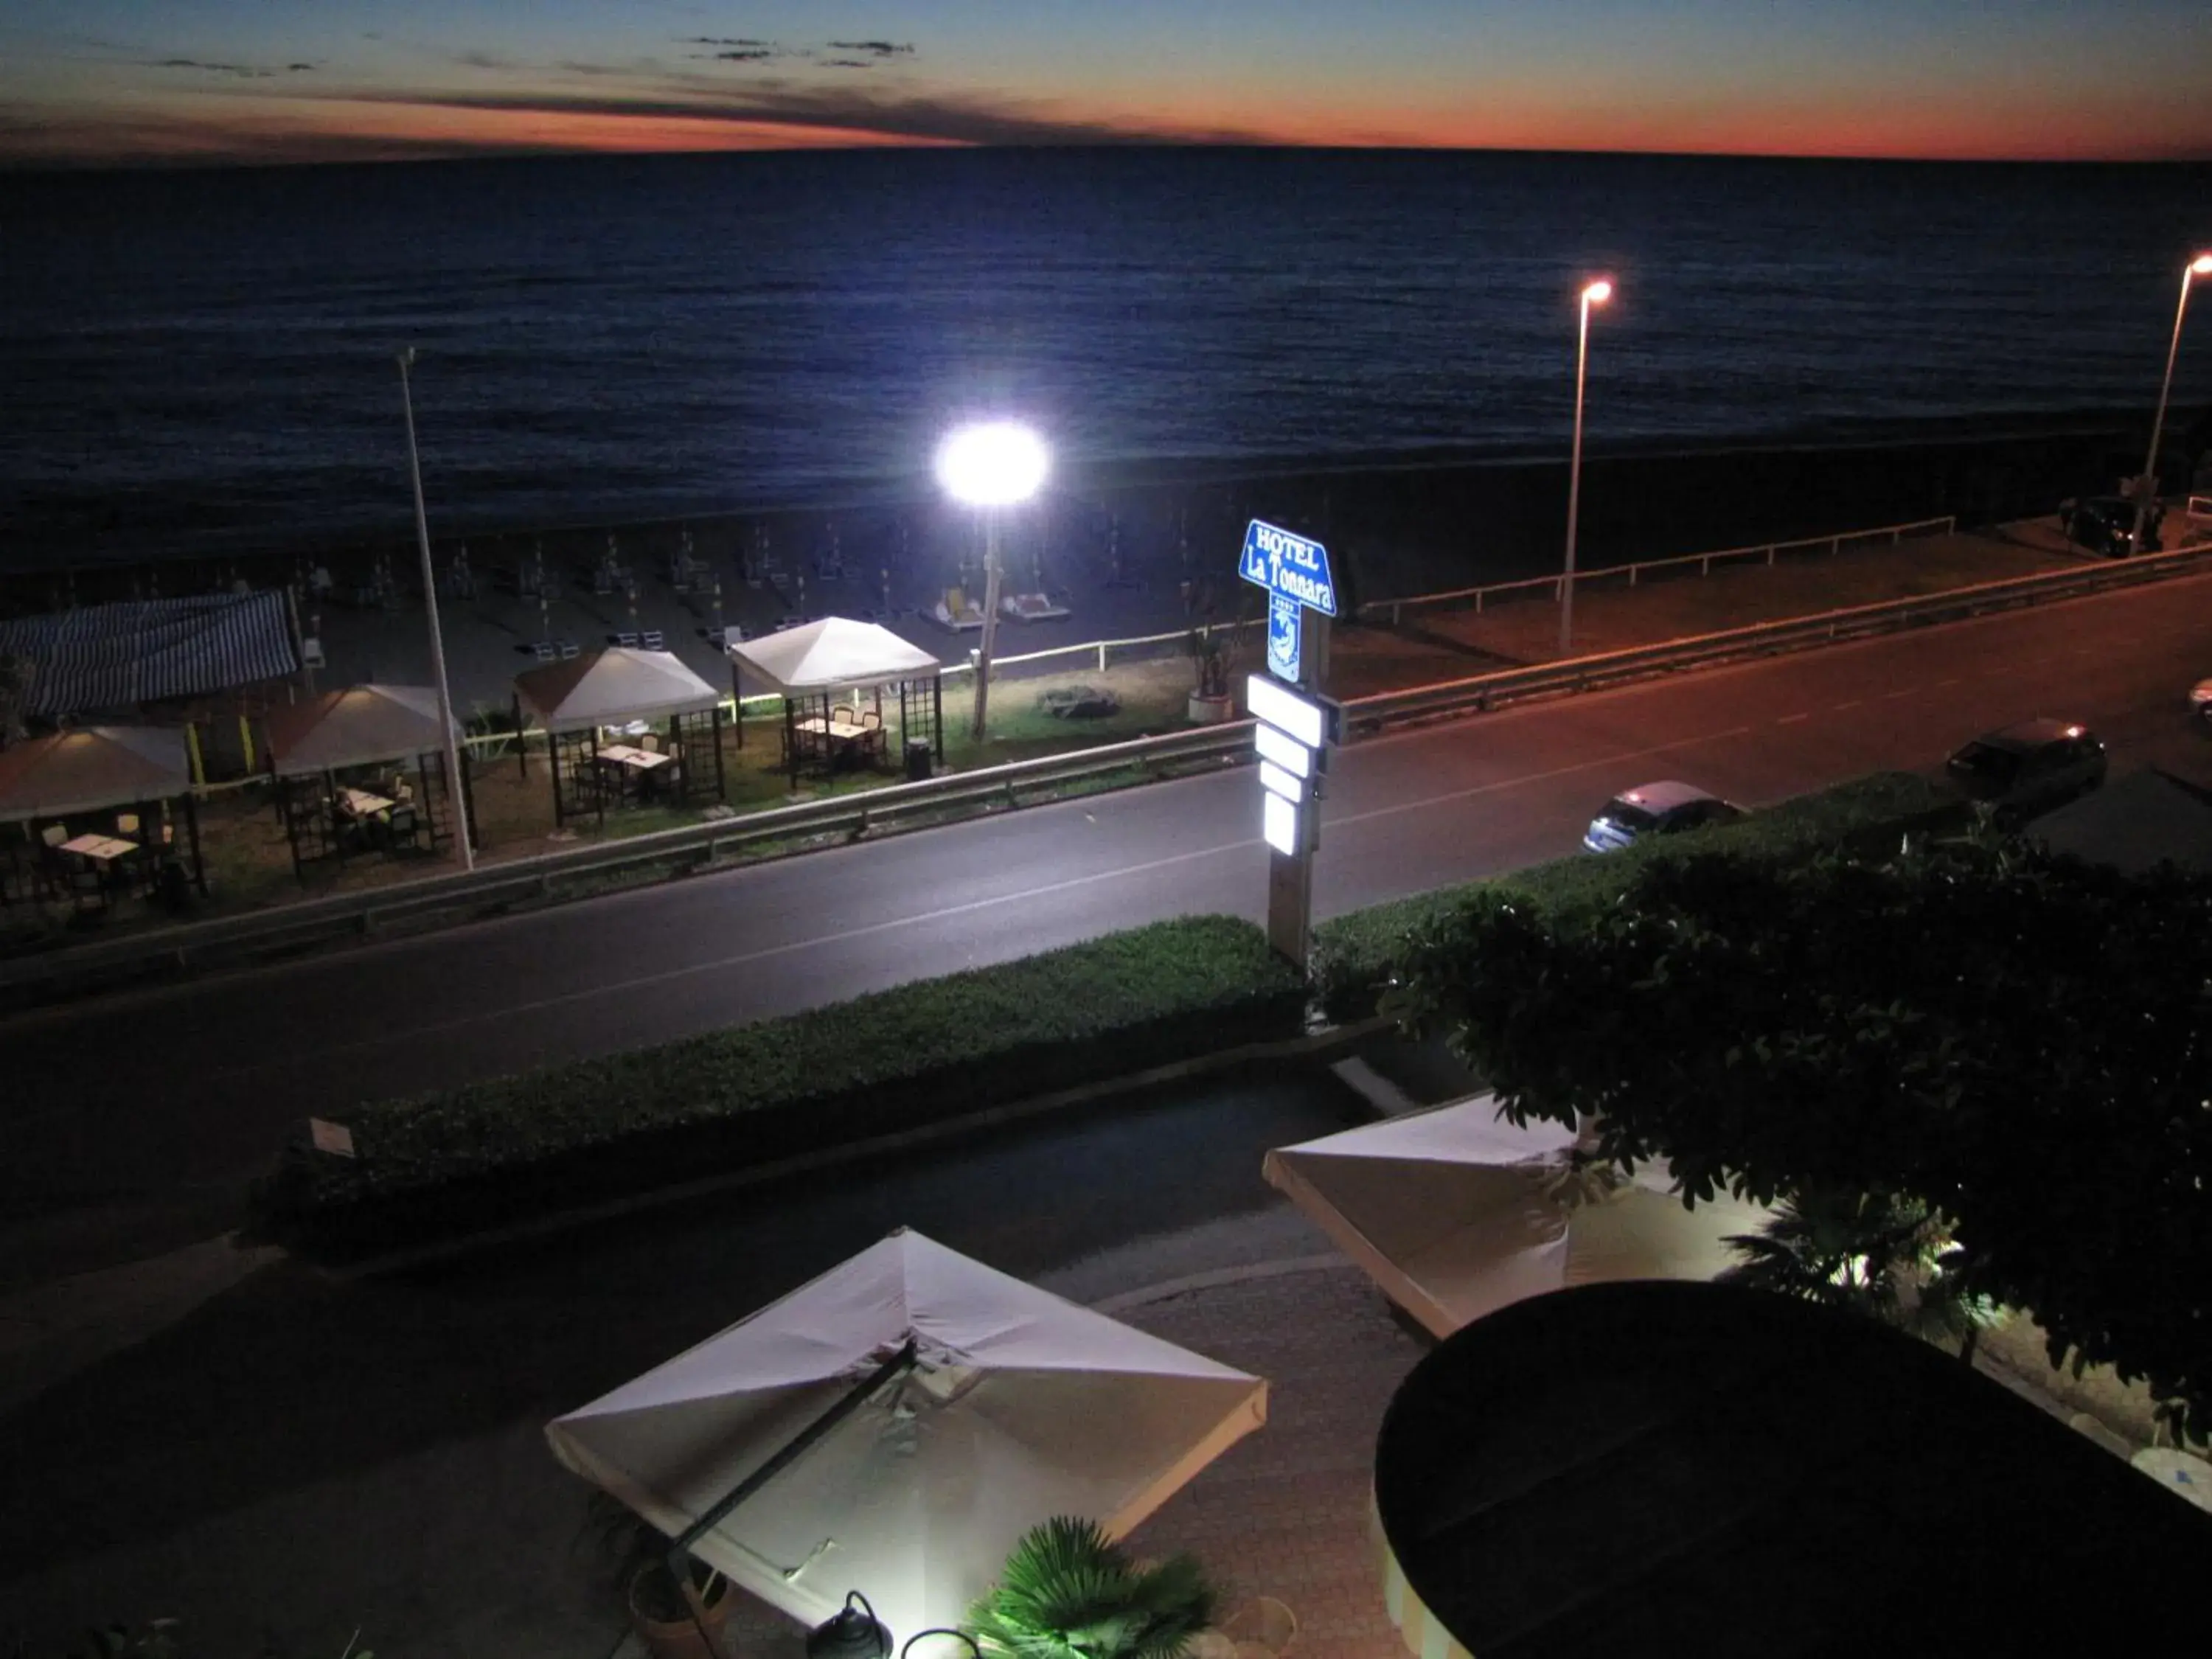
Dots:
{"x": 141, "y": 651}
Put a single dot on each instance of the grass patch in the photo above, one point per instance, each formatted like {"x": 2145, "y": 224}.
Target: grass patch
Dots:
{"x": 1355, "y": 955}
{"x": 476, "y": 1157}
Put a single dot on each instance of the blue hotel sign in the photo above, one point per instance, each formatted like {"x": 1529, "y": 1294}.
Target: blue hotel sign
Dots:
{"x": 1295, "y": 573}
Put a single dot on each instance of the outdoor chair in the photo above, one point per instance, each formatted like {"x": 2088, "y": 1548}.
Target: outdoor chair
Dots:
{"x": 650, "y": 743}
{"x": 54, "y": 834}
{"x": 844, "y": 715}
{"x": 873, "y": 739}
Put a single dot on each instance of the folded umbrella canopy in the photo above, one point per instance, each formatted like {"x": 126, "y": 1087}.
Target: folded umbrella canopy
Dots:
{"x": 1455, "y": 1213}
{"x": 1019, "y": 1407}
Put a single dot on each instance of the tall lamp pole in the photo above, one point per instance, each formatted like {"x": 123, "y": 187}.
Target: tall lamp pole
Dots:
{"x": 2147, "y": 487}
{"x": 456, "y": 793}
{"x": 990, "y": 466}
{"x": 1593, "y": 293}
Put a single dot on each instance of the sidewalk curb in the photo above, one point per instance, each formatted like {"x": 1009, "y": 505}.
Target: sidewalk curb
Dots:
{"x": 1292, "y": 1051}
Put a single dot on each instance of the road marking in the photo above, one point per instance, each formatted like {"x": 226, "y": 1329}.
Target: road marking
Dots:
{"x": 1853, "y": 704}
{"x": 1892, "y": 696}
{"x": 1533, "y": 777}
{"x": 768, "y": 952}
{"x": 669, "y": 976}
{"x": 1939, "y": 684}
{"x": 1792, "y": 719}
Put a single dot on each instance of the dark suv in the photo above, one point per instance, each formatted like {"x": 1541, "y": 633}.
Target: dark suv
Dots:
{"x": 2105, "y": 525}
{"x": 2029, "y": 767}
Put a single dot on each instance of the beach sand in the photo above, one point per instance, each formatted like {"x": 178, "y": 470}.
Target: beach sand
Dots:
{"x": 1138, "y": 553}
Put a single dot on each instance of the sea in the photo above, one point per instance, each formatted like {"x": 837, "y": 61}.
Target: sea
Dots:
{"x": 197, "y": 362}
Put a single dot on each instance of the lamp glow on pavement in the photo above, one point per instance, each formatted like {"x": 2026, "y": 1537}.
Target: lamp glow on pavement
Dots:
{"x": 993, "y": 464}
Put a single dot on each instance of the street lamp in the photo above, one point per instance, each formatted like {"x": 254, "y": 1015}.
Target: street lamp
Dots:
{"x": 992, "y": 465}
{"x": 1593, "y": 293}
{"x": 455, "y": 794}
{"x": 2147, "y": 487}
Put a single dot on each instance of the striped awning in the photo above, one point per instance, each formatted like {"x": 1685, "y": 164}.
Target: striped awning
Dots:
{"x": 142, "y": 651}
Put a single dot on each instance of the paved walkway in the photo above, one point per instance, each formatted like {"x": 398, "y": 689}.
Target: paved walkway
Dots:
{"x": 468, "y": 1547}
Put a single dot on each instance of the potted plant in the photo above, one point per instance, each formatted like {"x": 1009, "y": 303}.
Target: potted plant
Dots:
{"x": 1068, "y": 1593}
{"x": 1210, "y": 701}
{"x": 680, "y": 1618}
{"x": 674, "y": 1618}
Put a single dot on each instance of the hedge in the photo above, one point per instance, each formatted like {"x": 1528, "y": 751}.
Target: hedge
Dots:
{"x": 474, "y": 1158}
{"x": 1355, "y": 955}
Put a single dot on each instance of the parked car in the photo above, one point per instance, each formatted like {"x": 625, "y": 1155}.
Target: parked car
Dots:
{"x": 1665, "y": 808}
{"x": 2029, "y": 767}
{"x": 2200, "y": 701}
{"x": 2105, "y": 525}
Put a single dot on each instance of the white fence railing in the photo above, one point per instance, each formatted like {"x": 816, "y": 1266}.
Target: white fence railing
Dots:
{"x": 1763, "y": 552}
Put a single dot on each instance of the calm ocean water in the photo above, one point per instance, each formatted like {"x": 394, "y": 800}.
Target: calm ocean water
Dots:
{"x": 202, "y": 361}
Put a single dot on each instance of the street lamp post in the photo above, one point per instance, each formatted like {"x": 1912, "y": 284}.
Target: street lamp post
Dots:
{"x": 456, "y": 794}
{"x": 2147, "y": 486}
{"x": 990, "y": 466}
{"x": 1593, "y": 293}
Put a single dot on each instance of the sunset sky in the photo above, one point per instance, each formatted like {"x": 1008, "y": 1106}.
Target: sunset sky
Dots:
{"x": 302, "y": 80}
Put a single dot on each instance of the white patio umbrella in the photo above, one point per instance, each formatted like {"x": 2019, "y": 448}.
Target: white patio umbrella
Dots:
{"x": 1019, "y": 1407}
{"x": 1454, "y": 1213}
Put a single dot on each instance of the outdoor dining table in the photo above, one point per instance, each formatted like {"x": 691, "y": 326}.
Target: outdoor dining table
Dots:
{"x": 102, "y": 848}
{"x": 637, "y": 760}
{"x": 363, "y": 805}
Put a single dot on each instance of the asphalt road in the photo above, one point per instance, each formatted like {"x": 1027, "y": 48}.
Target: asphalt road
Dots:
{"x": 130, "y": 1123}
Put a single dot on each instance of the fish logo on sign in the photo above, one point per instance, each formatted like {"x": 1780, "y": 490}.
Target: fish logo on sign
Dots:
{"x": 1288, "y": 566}
{"x": 1285, "y": 631}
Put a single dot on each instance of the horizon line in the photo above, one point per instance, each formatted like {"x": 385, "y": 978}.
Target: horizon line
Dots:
{"x": 30, "y": 165}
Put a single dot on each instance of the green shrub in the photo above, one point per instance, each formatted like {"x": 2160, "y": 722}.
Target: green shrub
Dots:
{"x": 1355, "y": 956}
{"x": 476, "y": 1157}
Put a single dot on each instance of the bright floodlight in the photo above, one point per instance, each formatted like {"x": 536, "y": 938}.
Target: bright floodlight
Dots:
{"x": 992, "y": 465}
{"x": 1598, "y": 292}
{"x": 2201, "y": 264}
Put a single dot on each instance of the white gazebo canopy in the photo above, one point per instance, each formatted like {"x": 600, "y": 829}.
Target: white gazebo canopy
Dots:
{"x": 612, "y": 687}
{"x": 832, "y": 655}
{"x": 355, "y": 727}
{"x": 1454, "y": 1213}
{"x": 95, "y": 766}
{"x": 1019, "y": 1407}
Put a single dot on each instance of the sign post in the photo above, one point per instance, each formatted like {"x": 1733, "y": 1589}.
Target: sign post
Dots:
{"x": 1294, "y": 732}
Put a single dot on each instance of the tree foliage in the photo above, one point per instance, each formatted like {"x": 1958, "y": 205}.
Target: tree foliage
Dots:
{"x": 2017, "y": 1043}
{"x": 1068, "y": 1593}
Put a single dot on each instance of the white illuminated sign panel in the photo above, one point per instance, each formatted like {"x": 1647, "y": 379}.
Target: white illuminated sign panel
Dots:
{"x": 1284, "y": 709}
{"x": 1277, "y": 781}
{"x": 1288, "y": 753}
{"x": 1279, "y": 823}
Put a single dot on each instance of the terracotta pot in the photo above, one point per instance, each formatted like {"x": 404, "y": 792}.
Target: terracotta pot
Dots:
{"x": 1211, "y": 711}
{"x": 681, "y": 1638}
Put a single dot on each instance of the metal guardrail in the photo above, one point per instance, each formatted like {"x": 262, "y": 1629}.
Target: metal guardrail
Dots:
{"x": 1482, "y": 692}
{"x": 1102, "y": 651}
{"x": 1763, "y": 552}
{"x": 360, "y": 914}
